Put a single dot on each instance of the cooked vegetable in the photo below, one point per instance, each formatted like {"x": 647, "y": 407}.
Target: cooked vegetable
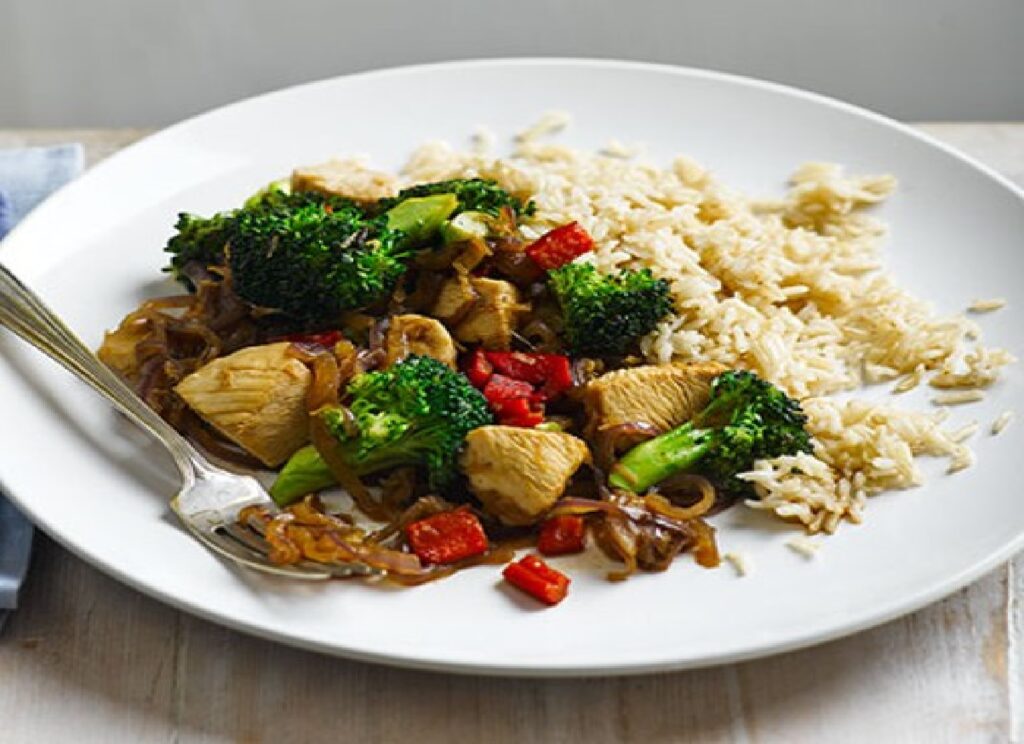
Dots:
{"x": 421, "y": 218}
{"x": 538, "y": 579}
{"x": 560, "y": 246}
{"x": 607, "y": 314}
{"x": 474, "y": 195}
{"x": 563, "y": 534}
{"x": 514, "y": 402}
{"x": 312, "y": 259}
{"x": 746, "y": 419}
{"x": 326, "y": 339}
{"x": 466, "y": 226}
{"x": 305, "y": 472}
{"x": 200, "y": 240}
{"x": 478, "y": 368}
{"x": 308, "y": 255}
{"x": 516, "y": 393}
{"x": 552, "y": 373}
{"x": 416, "y": 412}
{"x": 447, "y": 537}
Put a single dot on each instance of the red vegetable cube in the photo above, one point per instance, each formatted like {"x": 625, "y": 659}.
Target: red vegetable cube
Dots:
{"x": 500, "y": 388}
{"x": 324, "y": 338}
{"x": 519, "y": 365}
{"x": 561, "y": 535}
{"x": 447, "y": 537}
{"x": 536, "y": 578}
{"x": 560, "y": 246}
{"x": 479, "y": 369}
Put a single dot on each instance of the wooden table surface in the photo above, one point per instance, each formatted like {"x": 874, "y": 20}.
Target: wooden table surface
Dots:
{"x": 86, "y": 659}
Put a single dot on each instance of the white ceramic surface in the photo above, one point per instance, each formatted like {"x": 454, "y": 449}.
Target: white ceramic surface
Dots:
{"x": 93, "y": 251}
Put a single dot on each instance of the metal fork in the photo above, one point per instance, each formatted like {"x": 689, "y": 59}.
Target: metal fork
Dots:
{"x": 210, "y": 497}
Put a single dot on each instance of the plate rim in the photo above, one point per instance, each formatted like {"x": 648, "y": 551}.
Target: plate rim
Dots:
{"x": 864, "y": 620}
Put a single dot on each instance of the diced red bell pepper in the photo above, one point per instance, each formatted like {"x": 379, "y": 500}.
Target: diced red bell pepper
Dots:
{"x": 532, "y": 368}
{"x": 551, "y": 371}
{"x": 500, "y": 388}
{"x": 518, "y": 412}
{"x": 323, "y": 338}
{"x": 559, "y": 376}
{"x": 562, "y": 534}
{"x": 560, "y": 246}
{"x": 447, "y": 537}
{"x": 479, "y": 368}
{"x": 536, "y": 578}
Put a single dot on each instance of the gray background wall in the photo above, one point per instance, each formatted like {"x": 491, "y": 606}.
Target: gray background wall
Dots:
{"x": 151, "y": 62}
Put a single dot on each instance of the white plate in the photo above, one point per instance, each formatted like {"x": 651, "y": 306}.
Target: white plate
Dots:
{"x": 93, "y": 251}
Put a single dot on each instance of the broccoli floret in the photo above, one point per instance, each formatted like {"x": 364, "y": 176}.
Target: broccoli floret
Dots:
{"x": 203, "y": 239}
{"x": 605, "y": 314}
{"x": 745, "y": 420}
{"x": 199, "y": 239}
{"x": 416, "y": 412}
{"x": 474, "y": 195}
{"x": 312, "y": 259}
{"x": 310, "y": 256}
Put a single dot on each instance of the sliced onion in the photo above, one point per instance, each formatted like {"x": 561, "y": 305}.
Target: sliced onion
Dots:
{"x": 620, "y": 438}
{"x": 657, "y": 503}
{"x": 327, "y": 447}
{"x": 617, "y": 537}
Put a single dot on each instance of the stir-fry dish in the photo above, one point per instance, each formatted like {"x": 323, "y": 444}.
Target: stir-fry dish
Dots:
{"x": 480, "y": 378}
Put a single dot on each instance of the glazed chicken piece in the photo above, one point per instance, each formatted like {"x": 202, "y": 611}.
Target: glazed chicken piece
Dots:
{"x": 417, "y": 334}
{"x": 348, "y": 178}
{"x": 517, "y": 473}
{"x": 664, "y": 396}
{"x": 455, "y": 298}
{"x": 255, "y": 397}
{"x": 494, "y": 316}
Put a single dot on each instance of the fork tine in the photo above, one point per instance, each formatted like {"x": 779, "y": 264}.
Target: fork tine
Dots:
{"x": 246, "y": 536}
{"x": 231, "y": 548}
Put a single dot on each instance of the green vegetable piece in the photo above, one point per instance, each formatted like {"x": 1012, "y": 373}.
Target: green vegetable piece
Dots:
{"x": 305, "y": 472}
{"x": 606, "y": 314}
{"x": 313, "y": 257}
{"x": 198, "y": 240}
{"x": 474, "y": 195}
{"x": 416, "y": 412}
{"x": 466, "y": 226}
{"x": 746, "y": 419}
{"x": 282, "y": 187}
{"x": 549, "y": 426}
{"x": 421, "y": 218}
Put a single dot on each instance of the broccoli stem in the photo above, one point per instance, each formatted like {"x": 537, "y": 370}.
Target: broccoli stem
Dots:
{"x": 658, "y": 458}
{"x": 420, "y": 218}
{"x": 305, "y": 472}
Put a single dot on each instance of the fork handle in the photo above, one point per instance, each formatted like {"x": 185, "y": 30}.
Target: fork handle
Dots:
{"x": 27, "y": 316}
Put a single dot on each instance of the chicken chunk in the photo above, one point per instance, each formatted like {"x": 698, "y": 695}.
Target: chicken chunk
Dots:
{"x": 517, "y": 473}
{"x": 255, "y": 397}
{"x": 417, "y": 334}
{"x": 455, "y": 298}
{"x": 348, "y": 178}
{"x": 663, "y": 395}
{"x": 494, "y": 316}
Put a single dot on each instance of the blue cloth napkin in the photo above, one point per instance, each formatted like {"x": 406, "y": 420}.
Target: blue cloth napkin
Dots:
{"x": 27, "y": 176}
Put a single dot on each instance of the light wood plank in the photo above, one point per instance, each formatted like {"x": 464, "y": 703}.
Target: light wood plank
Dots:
{"x": 87, "y": 660}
